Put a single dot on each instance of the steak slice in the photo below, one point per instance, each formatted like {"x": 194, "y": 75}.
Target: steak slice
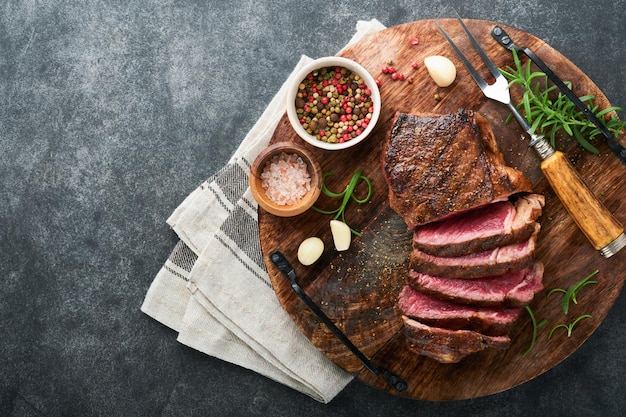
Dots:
{"x": 493, "y": 262}
{"x": 448, "y": 346}
{"x": 498, "y": 224}
{"x": 513, "y": 289}
{"x": 493, "y": 321}
{"x": 439, "y": 165}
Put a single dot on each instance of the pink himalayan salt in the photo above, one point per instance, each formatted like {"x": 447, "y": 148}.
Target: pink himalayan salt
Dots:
{"x": 285, "y": 179}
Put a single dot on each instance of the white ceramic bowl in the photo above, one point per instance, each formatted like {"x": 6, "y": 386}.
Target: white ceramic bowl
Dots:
{"x": 332, "y": 61}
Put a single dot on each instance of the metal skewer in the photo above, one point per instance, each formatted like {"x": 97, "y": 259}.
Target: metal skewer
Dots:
{"x": 285, "y": 267}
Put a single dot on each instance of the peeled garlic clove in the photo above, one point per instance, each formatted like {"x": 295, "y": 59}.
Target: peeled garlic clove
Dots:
{"x": 341, "y": 235}
{"x": 441, "y": 70}
{"x": 310, "y": 250}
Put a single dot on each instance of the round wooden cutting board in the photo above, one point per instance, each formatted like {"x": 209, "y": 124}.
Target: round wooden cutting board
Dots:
{"x": 358, "y": 288}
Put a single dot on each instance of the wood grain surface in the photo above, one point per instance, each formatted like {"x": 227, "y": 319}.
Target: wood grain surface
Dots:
{"x": 358, "y": 289}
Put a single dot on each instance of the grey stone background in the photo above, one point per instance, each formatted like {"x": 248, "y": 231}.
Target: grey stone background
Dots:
{"x": 111, "y": 112}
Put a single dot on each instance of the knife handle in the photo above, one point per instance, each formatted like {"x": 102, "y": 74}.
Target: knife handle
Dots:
{"x": 592, "y": 217}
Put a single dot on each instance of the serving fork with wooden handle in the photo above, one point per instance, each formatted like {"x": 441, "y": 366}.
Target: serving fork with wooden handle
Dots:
{"x": 602, "y": 229}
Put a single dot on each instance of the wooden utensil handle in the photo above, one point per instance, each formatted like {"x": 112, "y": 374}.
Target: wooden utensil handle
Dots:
{"x": 593, "y": 219}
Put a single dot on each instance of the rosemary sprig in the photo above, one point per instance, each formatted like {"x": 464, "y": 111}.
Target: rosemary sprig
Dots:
{"x": 569, "y": 295}
{"x": 346, "y": 195}
{"x": 549, "y": 114}
{"x": 536, "y": 326}
{"x": 572, "y": 291}
{"x": 568, "y": 327}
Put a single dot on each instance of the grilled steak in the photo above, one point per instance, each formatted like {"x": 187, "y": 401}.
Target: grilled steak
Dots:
{"x": 474, "y": 223}
{"x": 448, "y": 346}
{"x": 497, "y": 261}
{"x": 493, "y": 321}
{"x": 513, "y": 289}
{"x": 482, "y": 229}
{"x": 437, "y": 166}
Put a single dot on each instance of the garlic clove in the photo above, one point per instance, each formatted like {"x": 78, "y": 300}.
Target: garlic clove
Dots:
{"x": 310, "y": 250}
{"x": 341, "y": 235}
{"x": 441, "y": 70}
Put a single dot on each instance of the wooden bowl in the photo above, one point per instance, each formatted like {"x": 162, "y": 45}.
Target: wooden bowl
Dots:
{"x": 258, "y": 192}
{"x": 332, "y": 61}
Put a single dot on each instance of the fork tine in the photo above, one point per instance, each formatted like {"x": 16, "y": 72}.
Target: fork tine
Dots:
{"x": 475, "y": 75}
{"x": 492, "y": 67}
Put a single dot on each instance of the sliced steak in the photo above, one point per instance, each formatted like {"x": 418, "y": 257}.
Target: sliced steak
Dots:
{"x": 493, "y": 321}
{"x": 498, "y": 224}
{"x": 497, "y": 261}
{"x": 437, "y": 166}
{"x": 513, "y": 289}
{"x": 448, "y": 346}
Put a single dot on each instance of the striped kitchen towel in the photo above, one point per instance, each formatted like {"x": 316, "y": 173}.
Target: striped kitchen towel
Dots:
{"x": 214, "y": 290}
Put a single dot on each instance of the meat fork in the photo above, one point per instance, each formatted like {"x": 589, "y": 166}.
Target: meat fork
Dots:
{"x": 602, "y": 230}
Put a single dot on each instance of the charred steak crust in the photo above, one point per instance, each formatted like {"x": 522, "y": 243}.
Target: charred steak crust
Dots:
{"x": 425, "y": 154}
{"x": 498, "y": 224}
{"x": 448, "y": 346}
